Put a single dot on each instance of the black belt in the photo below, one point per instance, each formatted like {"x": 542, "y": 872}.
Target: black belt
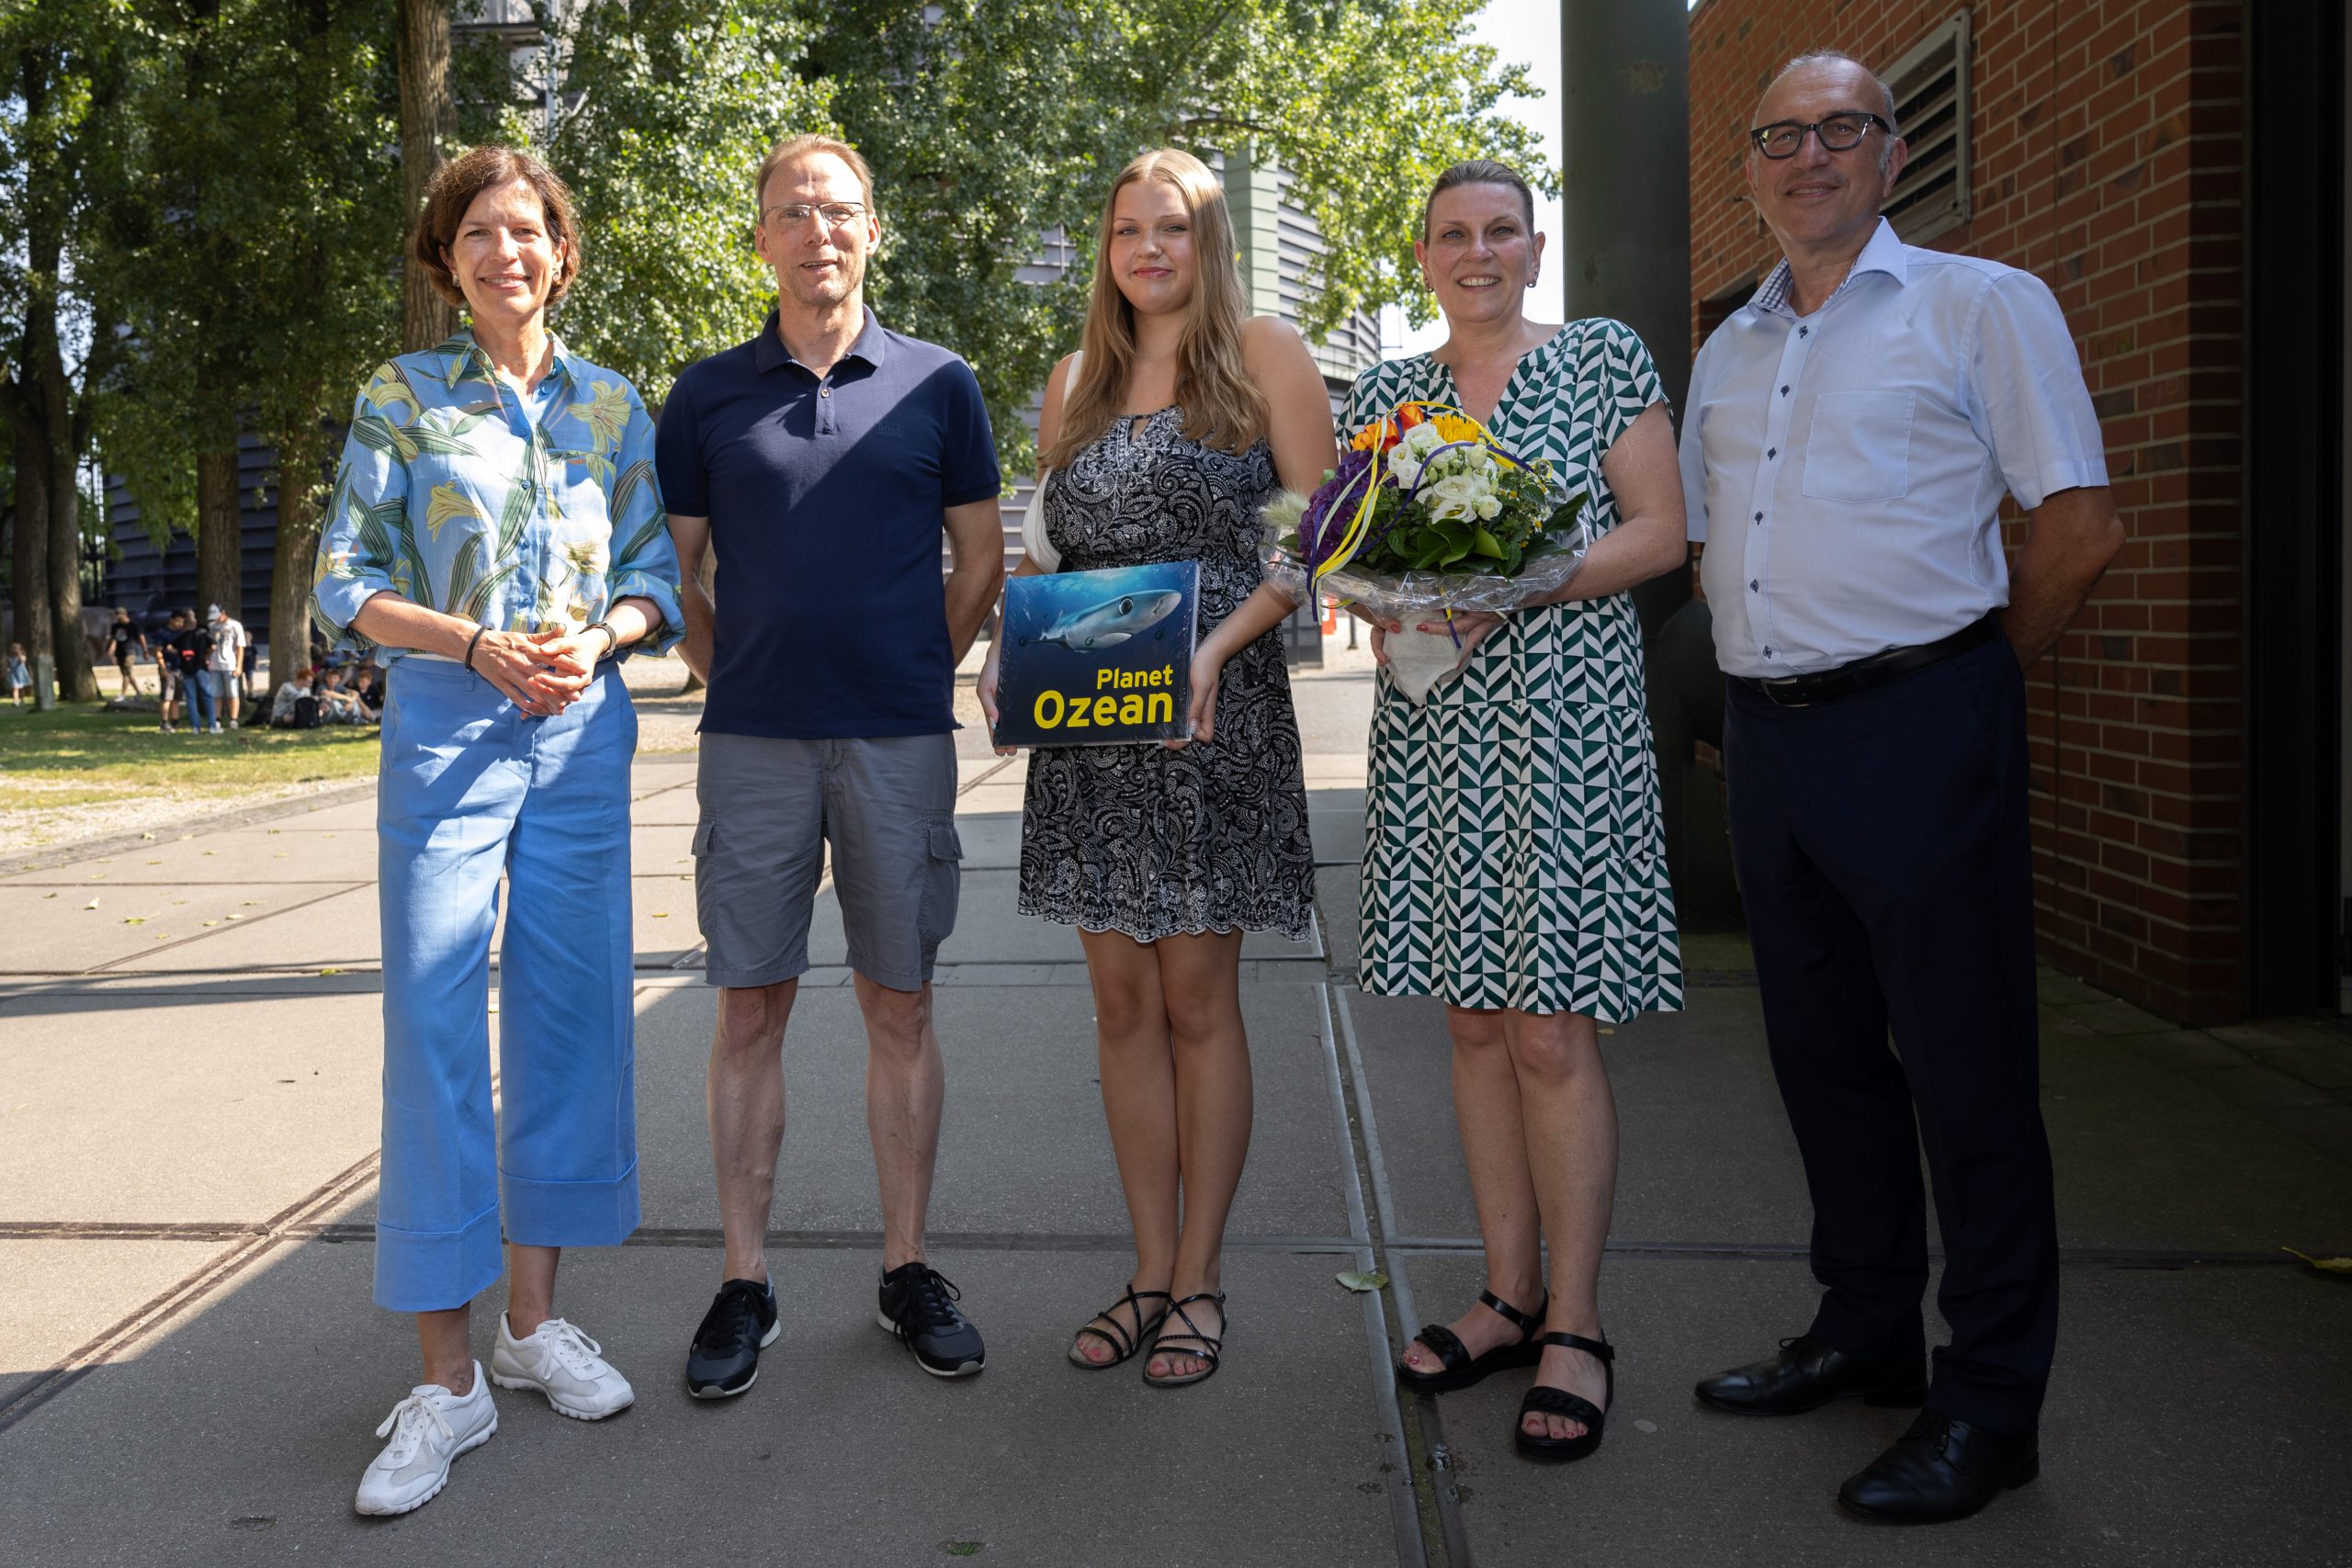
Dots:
{"x": 1828, "y": 685}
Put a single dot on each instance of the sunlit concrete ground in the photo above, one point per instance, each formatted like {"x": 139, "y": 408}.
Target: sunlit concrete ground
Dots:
{"x": 190, "y": 1368}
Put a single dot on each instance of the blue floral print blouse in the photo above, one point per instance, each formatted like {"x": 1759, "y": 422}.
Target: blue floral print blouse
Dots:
{"x": 459, "y": 494}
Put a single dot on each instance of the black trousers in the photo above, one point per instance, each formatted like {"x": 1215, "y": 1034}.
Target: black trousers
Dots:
{"x": 1883, "y": 851}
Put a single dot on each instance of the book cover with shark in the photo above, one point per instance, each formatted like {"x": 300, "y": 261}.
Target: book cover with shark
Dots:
{"x": 1098, "y": 657}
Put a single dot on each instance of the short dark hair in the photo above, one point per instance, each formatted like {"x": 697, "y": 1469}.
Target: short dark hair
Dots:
{"x": 454, "y": 190}
{"x": 1479, "y": 172}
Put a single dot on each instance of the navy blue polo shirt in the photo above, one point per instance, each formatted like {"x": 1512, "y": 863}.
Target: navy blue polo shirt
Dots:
{"x": 826, "y": 497}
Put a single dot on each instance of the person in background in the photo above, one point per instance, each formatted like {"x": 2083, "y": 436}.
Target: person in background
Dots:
{"x": 246, "y": 665}
{"x": 367, "y": 690}
{"x": 1852, "y": 430}
{"x": 129, "y": 644}
{"x": 337, "y": 702}
{"x": 286, "y": 709}
{"x": 167, "y": 674}
{"x": 191, "y": 662}
{"x": 224, "y": 667}
{"x": 20, "y": 679}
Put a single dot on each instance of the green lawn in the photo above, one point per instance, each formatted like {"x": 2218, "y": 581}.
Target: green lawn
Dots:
{"x": 80, "y": 754}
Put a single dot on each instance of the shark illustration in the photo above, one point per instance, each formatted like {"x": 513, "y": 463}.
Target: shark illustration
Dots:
{"x": 1110, "y": 622}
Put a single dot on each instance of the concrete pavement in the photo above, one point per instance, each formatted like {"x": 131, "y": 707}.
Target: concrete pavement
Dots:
{"x": 189, "y": 1367}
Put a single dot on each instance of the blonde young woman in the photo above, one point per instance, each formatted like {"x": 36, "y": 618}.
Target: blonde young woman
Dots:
{"x": 1159, "y": 442}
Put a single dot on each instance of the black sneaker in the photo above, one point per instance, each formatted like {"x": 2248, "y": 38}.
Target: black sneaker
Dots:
{"x": 725, "y": 1359}
{"x": 919, "y": 1306}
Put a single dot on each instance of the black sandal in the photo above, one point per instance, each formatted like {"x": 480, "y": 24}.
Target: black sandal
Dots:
{"x": 1551, "y": 1401}
{"x": 1210, "y": 1348}
{"x": 1123, "y": 1344}
{"x": 1457, "y": 1368}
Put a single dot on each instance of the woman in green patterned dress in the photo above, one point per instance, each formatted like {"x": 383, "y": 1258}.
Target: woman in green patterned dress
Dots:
{"x": 1512, "y": 858}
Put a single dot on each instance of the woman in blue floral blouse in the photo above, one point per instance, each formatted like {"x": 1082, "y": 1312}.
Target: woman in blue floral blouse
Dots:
{"x": 496, "y": 540}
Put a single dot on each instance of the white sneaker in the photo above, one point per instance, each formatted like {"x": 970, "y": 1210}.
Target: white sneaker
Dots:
{"x": 565, "y": 1365}
{"x": 429, "y": 1429}
{"x": 216, "y": 727}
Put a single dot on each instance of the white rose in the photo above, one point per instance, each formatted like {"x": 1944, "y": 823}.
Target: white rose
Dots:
{"x": 1456, "y": 496}
{"x": 1404, "y": 466}
{"x": 1422, "y": 440}
{"x": 1489, "y": 509}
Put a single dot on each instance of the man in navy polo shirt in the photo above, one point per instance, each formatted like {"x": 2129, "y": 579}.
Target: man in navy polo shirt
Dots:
{"x": 822, "y": 460}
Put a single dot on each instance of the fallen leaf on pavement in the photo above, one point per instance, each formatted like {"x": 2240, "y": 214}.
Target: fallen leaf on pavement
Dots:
{"x": 1363, "y": 1283}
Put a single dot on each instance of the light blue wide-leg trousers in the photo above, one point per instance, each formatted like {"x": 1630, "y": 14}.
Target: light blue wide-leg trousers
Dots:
{"x": 471, "y": 788}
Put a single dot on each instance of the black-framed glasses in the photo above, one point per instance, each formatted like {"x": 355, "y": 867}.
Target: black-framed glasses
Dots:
{"x": 1838, "y": 133}
{"x": 834, "y": 214}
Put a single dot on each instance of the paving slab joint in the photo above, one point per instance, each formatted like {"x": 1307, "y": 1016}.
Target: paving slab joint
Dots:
{"x": 1436, "y": 1533}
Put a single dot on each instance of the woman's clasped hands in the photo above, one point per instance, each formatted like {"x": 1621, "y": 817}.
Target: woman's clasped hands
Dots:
{"x": 1471, "y": 628}
{"x": 541, "y": 673}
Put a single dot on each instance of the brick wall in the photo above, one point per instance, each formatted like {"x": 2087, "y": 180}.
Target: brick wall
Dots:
{"x": 2107, "y": 157}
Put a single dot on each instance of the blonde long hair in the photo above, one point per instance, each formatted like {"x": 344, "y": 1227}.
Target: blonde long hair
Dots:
{"x": 1222, "y": 407}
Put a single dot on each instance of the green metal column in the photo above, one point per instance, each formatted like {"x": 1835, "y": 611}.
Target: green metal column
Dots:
{"x": 1625, "y": 137}
{"x": 1624, "y": 250}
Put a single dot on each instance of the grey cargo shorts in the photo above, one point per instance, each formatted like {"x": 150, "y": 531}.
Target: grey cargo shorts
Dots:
{"x": 769, "y": 807}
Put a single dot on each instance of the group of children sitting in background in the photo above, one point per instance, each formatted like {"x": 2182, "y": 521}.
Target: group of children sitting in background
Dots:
{"x": 334, "y": 695}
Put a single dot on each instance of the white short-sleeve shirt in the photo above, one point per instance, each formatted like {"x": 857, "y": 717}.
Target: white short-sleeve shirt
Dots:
{"x": 1845, "y": 469}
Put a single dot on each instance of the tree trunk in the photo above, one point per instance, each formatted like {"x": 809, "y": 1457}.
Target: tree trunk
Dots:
{"x": 29, "y": 562}
{"x": 77, "y": 678}
{"x": 300, "y": 504}
{"x": 220, "y": 525}
{"x": 428, "y": 119}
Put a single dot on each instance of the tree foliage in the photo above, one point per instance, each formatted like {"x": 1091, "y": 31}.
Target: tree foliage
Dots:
{"x": 668, "y": 107}
{"x": 993, "y": 127}
{"x": 219, "y": 181}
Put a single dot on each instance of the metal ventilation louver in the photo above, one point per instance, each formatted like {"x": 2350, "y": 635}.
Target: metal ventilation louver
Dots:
{"x": 1931, "y": 108}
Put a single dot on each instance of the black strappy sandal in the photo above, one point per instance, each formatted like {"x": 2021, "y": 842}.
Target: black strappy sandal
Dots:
{"x": 1123, "y": 1345}
{"x": 1203, "y": 1347}
{"x": 1551, "y": 1401}
{"x": 1457, "y": 1368}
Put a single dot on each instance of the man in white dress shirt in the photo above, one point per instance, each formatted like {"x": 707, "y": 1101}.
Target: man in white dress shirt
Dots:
{"x": 1850, "y": 433}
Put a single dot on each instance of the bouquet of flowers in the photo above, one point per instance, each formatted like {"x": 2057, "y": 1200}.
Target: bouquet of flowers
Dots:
{"x": 1426, "y": 515}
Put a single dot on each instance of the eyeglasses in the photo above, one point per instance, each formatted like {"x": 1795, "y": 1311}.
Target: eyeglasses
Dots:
{"x": 1838, "y": 133}
{"x": 834, "y": 214}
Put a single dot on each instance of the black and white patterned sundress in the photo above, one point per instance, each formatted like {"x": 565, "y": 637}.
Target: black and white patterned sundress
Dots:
{"x": 1137, "y": 838}
{"x": 1513, "y": 852}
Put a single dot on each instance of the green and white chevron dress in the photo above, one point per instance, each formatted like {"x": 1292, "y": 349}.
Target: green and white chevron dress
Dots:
{"x": 1513, "y": 851}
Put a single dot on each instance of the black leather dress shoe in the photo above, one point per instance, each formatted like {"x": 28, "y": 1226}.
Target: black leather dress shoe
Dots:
{"x": 1808, "y": 1374}
{"x": 1941, "y": 1469}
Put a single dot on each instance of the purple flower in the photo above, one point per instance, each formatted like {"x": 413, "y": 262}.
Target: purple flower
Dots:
{"x": 1320, "y": 507}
